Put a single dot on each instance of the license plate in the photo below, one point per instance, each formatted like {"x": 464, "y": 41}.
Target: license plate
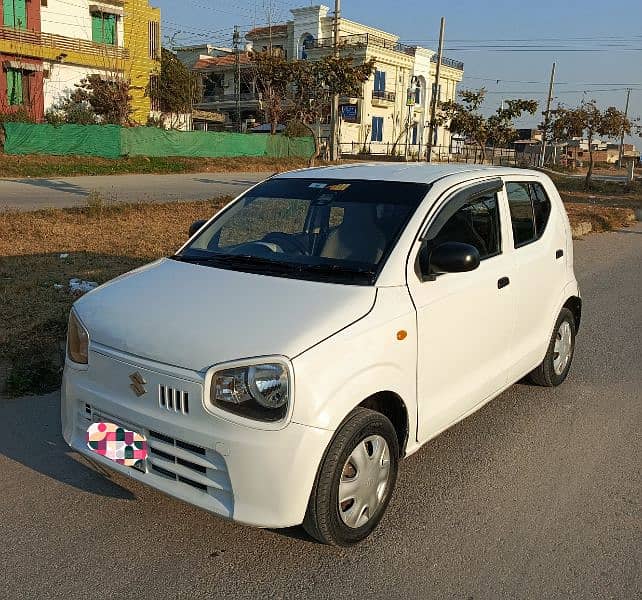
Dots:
{"x": 115, "y": 442}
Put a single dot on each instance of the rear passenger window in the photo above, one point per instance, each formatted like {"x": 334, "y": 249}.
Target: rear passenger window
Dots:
{"x": 521, "y": 213}
{"x": 529, "y": 211}
{"x": 541, "y": 208}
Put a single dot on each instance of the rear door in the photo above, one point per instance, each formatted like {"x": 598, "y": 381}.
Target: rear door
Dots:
{"x": 465, "y": 321}
{"x": 538, "y": 240}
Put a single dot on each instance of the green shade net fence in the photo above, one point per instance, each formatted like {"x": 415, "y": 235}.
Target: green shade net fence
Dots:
{"x": 112, "y": 141}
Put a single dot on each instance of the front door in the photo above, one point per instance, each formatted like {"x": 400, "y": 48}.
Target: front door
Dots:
{"x": 465, "y": 321}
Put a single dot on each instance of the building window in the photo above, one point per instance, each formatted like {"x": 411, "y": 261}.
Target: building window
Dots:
{"x": 418, "y": 95}
{"x": 154, "y": 39}
{"x": 14, "y": 13}
{"x": 307, "y": 41}
{"x": 377, "y": 129}
{"x": 15, "y": 89}
{"x": 103, "y": 28}
{"x": 380, "y": 81}
{"x": 438, "y": 91}
{"x": 415, "y": 134}
{"x": 154, "y": 85}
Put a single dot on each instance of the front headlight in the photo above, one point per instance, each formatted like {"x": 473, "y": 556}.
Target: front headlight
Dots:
{"x": 260, "y": 392}
{"x": 77, "y": 340}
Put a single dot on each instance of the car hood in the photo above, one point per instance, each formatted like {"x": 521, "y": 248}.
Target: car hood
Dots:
{"x": 194, "y": 316}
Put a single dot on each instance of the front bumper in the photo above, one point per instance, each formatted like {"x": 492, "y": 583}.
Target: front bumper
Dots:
{"x": 253, "y": 476}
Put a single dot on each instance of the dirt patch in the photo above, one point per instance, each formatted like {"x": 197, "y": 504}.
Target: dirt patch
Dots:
{"x": 100, "y": 244}
{"x": 601, "y": 218}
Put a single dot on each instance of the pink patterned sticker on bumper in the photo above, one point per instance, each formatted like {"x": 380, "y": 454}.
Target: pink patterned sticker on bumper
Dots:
{"x": 117, "y": 443}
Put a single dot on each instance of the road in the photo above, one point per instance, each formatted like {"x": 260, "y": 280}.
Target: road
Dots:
{"x": 35, "y": 193}
{"x": 537, "y": 495}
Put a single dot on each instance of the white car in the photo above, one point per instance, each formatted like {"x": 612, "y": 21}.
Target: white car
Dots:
{"x": 318, "y": 329}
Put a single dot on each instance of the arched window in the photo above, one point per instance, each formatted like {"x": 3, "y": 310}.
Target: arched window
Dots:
{"x": 306, "y": 43}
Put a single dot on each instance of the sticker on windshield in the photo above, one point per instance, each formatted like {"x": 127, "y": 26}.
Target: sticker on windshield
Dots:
{"x": 317, "y": 186}
{"x": 339, "y": 187}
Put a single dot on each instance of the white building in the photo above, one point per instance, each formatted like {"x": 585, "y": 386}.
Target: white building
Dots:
{"x": 381, "y": 119}
{"x": 81, "y": 22}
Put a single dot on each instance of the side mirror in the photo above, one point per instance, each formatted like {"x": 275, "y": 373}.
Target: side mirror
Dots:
{"x": 449, "y": 257}
{"x": 195, "y": 226}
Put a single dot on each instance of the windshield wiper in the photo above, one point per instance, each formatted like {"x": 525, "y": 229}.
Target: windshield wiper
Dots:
{"x": 267, "y": 265}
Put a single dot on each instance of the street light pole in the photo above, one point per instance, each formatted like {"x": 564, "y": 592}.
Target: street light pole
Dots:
{"x": 334, "y": 114}
{"x": 433, "y": 98}
{"x": 547, "y": 116}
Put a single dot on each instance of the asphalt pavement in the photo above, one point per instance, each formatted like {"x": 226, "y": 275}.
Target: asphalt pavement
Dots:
{"x": 535, "y": 496}
{"x": 33, "y": 193}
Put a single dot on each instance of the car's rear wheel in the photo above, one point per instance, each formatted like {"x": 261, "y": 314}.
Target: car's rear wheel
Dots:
{"x": 355, "y": 480}
{"x": 557, "y": 362}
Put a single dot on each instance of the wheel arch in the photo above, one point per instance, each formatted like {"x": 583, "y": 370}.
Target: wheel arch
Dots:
{"x": 574, "y": 304}
{"x": 392, "y": 406}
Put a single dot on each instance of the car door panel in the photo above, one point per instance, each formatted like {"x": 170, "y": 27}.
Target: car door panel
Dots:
{"x": 465, "y": 326}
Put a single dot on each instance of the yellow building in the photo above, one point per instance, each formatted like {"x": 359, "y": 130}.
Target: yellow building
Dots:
{"x": 46, "y": 50}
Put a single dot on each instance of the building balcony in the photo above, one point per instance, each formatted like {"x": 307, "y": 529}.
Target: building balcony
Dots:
{"x": 361, "y": 40}
{"x": 222, "y": 101}
{"x": 382, "y": 98}
{"x": 50, "y": 46}
{"x": 448, "y": 62}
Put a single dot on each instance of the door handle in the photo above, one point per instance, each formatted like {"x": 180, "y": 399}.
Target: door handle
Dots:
{"x": 559, "y": 254}
{"x": 502, "y": 282}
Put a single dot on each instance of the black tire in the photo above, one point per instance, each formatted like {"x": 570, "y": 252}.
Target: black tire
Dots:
{"x": 545, "y": 374}
{"x": 322, "y": 520}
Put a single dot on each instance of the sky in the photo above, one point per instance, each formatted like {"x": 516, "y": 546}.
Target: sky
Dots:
{"x": 508, "y": 47}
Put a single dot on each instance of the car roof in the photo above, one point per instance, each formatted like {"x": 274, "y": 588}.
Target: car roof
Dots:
{"x": 405, "y": 172}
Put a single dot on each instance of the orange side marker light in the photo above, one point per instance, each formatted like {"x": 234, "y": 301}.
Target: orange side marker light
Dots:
{"x": 402, "y": 334}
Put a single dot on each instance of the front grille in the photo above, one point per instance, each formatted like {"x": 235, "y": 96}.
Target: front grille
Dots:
{"x": 183, "y": 462}
{"x": 175, "y": 460}
{"x": 173, "y": 399}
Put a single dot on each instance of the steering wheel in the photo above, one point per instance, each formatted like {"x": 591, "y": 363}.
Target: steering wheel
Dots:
{"x": 286, "y": 242}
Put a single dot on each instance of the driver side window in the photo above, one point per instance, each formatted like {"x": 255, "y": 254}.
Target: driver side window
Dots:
{"x": 262, "y": 216}
{"x": 477, "y": 224}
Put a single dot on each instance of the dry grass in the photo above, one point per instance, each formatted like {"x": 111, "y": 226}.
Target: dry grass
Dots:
{"x": 66, "y": 166}
{"x": 602, "y": 218}
{"x": 102, "y": 240}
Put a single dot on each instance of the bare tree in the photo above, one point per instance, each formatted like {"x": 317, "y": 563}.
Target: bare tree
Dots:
{"x": 465, "y": 118}
{"x": 588, "y": 120}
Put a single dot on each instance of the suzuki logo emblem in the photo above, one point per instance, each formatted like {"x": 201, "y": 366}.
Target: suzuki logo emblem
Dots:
{"x": 138, "y": 384}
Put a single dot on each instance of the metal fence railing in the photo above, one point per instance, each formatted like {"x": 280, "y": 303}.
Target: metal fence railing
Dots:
{"x": 447, "y": 154}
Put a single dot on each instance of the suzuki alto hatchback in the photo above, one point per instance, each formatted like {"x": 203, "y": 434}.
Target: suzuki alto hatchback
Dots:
{"x": 318, "y": 329}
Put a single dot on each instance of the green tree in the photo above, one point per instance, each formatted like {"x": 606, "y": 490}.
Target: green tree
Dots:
{"x": 587, "y": 120}
{"x": 174, "y": 90}
{"x": 465, "y": 118}
{"x": 273, "y": 76}
{"x": 314, "y": 84}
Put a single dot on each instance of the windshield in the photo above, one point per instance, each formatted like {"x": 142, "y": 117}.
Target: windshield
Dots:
{"x": 320, "y": 229}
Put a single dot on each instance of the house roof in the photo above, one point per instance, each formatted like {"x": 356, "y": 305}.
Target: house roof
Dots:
{"x": 264, "y": 32}
{"x": 213, "y": 62}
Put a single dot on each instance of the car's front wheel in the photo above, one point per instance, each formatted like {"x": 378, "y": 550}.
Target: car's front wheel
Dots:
{"x": 557, "y": 362}
{"x": 355, "y": 480}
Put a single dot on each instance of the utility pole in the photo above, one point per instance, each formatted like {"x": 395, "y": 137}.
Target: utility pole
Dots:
{"x": 334, "y": 114}
{"x": 236, "y": 39}
{"x": 626, "y": 114}
{"x": 547, "y": 117}
{"x": 435, "y": 93}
